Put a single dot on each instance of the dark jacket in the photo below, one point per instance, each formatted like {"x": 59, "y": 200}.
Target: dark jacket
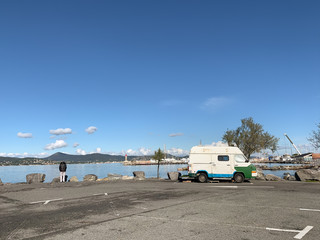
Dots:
{"x": 62, "y": 167}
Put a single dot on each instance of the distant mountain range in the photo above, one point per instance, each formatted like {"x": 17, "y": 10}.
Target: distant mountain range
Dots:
{"x": 94, "y": 157}
{"x": 69, "y": 158}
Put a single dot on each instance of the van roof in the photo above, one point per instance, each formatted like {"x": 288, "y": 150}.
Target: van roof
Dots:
{"x": 213, "y": 149}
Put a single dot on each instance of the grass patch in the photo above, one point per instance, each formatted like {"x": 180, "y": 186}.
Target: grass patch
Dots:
{"x": 311, "y": 180}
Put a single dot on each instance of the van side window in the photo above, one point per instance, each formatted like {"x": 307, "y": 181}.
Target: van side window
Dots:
{"x": 223, "y": 158}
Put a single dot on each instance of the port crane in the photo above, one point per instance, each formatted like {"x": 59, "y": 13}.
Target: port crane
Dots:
{"x": 293, "y": 144}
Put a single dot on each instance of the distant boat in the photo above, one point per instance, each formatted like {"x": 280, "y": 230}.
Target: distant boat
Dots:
{"x": 286, "y": 157}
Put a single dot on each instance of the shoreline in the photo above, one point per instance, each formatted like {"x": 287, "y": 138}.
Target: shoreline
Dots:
{"x": 281, "y": 168}
{"x": 123, "y": 162}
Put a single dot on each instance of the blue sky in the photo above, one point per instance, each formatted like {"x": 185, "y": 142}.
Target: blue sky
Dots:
{"x": 148, "y": 73}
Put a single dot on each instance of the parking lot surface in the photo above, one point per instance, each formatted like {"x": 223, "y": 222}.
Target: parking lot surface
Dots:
{"x": 153, "y": 209}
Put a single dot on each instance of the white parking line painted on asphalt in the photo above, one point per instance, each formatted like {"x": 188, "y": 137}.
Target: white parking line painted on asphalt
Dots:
{"x": 45, "y": 202}
{"x": 98, "y": 194}
{"x": 311, "y": 210}
{"x": 241, "y": 186}
{"x": 37, "y": 202}
{"x": 300, "y": 235}
{"x": 303, "y": 232}
{"x": 283, "y": 230}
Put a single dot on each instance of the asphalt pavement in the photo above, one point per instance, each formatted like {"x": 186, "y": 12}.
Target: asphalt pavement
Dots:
{"x": 160, "y": 209}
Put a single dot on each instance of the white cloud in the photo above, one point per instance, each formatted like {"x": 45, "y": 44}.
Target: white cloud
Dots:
{"x": 43, "y": 154}
{"x": 140, "y": 152}
{"x": 81, "y": 151}
{"x": 76, "y": 145}
{"x": 178, "y": 152}
{"x": 24, "y": 135}
{"x": 25, "y": 154}
{"x": 219, "y": 144}
{"x": 214, "y": 103}
{"x": 145, "y": 151}
{"x": 97, "y": 150}
{"x": 129, "y": 152}
{"x": 56, "y": 144}
{"x": 175, "y": 134}
{"x": 61, "y": 131}
{"x": 91, "y": 129}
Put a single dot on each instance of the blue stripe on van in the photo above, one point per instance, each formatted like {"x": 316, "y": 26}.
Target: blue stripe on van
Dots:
{"x": 217, "y": 175}
{"x": 220, "y": 175}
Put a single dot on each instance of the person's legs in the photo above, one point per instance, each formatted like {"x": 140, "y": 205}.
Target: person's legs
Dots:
{"x": 61, "y": 177}
{"x": 64, "y": 176}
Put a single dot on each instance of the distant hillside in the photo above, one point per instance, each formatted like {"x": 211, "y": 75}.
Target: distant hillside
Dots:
{"x": 7, "y": 161}
{"x": 94, "y": 157}
{"x": 69, "y": 158}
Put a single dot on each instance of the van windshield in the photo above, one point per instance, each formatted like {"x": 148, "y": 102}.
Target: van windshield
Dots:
{"x": 240, "y": 158}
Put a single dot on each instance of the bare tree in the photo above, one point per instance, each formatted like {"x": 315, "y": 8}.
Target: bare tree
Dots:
{"x": 315, "y": 137}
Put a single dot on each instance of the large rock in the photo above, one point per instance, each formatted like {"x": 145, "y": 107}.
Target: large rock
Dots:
{"x": 308, "y": 175}
{"x": 292, "y": 178}
{"x": 90, "y": 178}
{"x": 74, "y": 179}
{"x": 289, "y": 177}
{"x": 286, "y": 176}
{"x": 260, "y": 175}
{"x": 56, "y": 180}
{"x": 35, "y": 178}
{"x": 174, "y": 176}
{"x": 102, "y": 179}
{"x": 139, "y": 175}
{"x": 112, "y": 176}
{"x": 1, "y": 182}
{"x": 127, "y": 177}
{"x": 271, "y": 177}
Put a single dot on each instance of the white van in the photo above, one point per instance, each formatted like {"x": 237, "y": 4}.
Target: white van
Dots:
{"x": 219, "y": 163}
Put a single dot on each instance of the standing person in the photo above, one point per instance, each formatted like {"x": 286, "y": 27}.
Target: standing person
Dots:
{"x": 63, "y": 169}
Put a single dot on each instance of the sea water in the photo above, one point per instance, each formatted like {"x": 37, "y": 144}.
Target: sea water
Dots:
{"x": 16, "y": 174}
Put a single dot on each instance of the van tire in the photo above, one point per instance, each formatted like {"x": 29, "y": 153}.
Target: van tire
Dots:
{"x": 203, "y": 178}
{"x": 238, "y": 177}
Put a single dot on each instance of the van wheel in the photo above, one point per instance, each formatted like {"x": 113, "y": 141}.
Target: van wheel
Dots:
{"x": 238, "y": 178}
{"x": 202, "y": 178}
